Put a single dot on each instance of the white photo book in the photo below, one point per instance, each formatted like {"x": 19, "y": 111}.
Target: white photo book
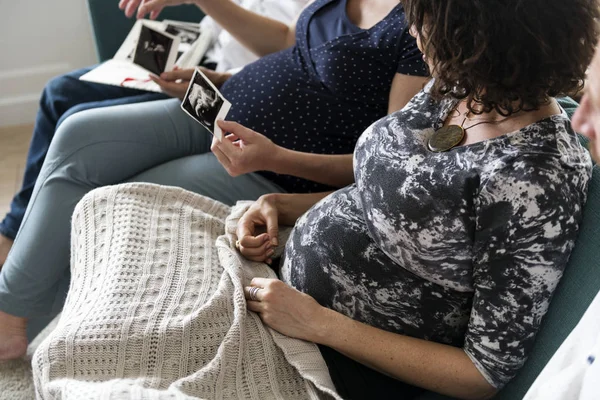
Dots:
{"x": 152, "y": 47}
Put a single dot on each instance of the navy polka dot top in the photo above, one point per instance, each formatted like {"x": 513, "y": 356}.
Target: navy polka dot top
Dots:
{"x": 320, "y": 100}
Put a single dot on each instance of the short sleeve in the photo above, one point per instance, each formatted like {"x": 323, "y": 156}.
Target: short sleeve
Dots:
{"x": 527, "y": 218}
{"x": 411, "y": 59}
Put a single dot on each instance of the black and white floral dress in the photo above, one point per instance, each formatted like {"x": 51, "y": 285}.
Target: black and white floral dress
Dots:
{"x": 464, "y": 247}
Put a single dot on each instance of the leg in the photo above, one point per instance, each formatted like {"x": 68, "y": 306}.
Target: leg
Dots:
{"x": 203, "y": 174}
{"x": 92, "y": 148}
{"x": 62, "y": 96}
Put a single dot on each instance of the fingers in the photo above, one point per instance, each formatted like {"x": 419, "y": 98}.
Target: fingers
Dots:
{"x": 257, "y": 291}
{"x": 123, "y": 4}
{"x": 264, "y": 283}
{"x": 255, "y": 248}
{"x": 171, "y": 88}
{"x": 154, "y": 14}
{"x": 252, "y": 242}
{"x": 221, "y": 156}
{"x": 232, "y": 138}
{"x": 130, "y": 6}
{"x": 255, "y": 306}
{"x": 227, "y": 153}
{"x": 257, "y": 253}
{"x": 272, "y": 227}
{"x": 185, "y": 74}
{"x": 237, "y": 129}
{"x": 154, "y": 7}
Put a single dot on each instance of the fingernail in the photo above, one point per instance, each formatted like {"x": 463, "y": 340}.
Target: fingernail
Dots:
{"x": 270, "y": 253}
{"x": 269, "y": 261}
{"x": 274, "y": 242}
{"x": 266, "y": 239}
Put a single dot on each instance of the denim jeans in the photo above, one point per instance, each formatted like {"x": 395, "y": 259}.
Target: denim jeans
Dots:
{"x": 152, "y": 142}
{"x": 63, "y": 96}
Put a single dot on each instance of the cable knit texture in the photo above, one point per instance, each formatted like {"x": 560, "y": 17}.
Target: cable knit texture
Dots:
{"x": 156, "y": 308}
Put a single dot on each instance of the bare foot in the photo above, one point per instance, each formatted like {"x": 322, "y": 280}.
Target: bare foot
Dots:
{"x": 5, "y": 245}
{"x": 13, "y": 336}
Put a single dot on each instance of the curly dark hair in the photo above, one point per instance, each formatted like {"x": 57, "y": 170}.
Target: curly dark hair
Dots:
{"x": 506, "y": 55}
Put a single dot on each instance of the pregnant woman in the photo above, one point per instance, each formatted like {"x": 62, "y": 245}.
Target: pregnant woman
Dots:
{"x": 320, "y": 83}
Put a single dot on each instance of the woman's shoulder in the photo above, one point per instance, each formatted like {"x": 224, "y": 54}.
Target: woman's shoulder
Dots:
{"x": 552, "y": 138}
{"x": 543, "y": 158}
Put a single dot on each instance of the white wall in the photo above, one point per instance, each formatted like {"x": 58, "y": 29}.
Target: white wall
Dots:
{"x": 39, "y": 39}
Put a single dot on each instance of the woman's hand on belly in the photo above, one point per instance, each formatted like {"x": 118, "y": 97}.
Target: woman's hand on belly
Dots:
{"x": 438, "y": 367}
{"x": 286, "y": 310}
{"x": 244, "y": 150}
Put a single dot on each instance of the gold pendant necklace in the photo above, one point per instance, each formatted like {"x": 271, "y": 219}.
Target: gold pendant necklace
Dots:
{"x": 446, "y": 138}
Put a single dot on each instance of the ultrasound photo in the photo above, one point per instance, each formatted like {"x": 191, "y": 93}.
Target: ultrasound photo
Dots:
{"x": 205, "y": 103}
{"x": 154, "y": 50}
{"x": 185, "y": 34}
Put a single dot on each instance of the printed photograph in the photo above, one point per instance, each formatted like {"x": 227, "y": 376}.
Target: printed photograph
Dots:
{"x": 153, "y": 50}
{"x": 205, "y": 103}
{"x": 187, "y": 35}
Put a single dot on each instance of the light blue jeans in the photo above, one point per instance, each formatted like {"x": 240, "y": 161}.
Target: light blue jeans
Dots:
{"x": 149, "y": 142}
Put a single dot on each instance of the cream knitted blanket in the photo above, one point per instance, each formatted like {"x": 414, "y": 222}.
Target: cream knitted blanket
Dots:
{"x": 156, "y": 308}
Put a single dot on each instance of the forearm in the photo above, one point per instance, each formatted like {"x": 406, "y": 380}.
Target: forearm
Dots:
{"x": 332, "y": 170}
{"x": 433, "y": 366}
{"x": 291, "y": 206}
{"x": 260, "y": 34}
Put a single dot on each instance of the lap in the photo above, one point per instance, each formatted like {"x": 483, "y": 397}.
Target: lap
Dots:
{"x": 161, "y": 124}
{"x": 69, "y": 85}
{"x": 127, "y": 99}
{"x": 203, "y": 174}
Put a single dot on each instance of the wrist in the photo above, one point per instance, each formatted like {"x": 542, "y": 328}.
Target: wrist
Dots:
{"x": 223, "y": 77}
{"x": 328, "y": 325}
{"x": 275, "y": 163}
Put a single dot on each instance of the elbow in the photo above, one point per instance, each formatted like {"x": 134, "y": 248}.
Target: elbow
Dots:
{"x": 483, "y": 392}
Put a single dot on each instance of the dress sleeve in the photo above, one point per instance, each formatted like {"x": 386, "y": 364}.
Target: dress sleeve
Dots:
{"x": 527, "y": 218}
{"x": 411, "y": 58}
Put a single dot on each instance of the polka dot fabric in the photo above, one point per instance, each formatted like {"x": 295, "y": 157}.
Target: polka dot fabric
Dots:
{"x": 320, "y": 100}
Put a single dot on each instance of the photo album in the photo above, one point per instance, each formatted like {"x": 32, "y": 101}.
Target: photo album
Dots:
{"x": 152, "y": 47}
{"x": 204, "y": 103}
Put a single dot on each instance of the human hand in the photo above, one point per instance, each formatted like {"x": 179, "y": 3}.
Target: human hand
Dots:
{"x": 243, "y": 150}
{"x": 174, "y": 83}
{"x": 262, "y": 214}
{"x": 152, "y": 7}
{"x": 286, "y": 309}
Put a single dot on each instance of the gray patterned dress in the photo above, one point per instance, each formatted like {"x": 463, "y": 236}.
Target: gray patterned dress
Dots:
{"x": 464, "y": 247}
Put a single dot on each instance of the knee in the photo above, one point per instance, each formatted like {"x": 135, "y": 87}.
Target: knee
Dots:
{"x": 57, "y": 87}
{"x": 58, "y": 93}
{"x": 76, "y": 132}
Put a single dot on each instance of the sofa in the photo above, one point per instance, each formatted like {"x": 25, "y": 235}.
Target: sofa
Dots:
{"x": 581, "y": 280}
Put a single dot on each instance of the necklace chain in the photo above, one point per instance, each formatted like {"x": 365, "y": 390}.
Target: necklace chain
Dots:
{"x": 462, "y": 125}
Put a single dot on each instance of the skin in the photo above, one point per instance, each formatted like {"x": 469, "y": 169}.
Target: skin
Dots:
{"x": 248, "y": 151}
{"x": 263, "y": 36}
{"x": 433, "y": 366}
{"x": 175, "y": 83}
{"x": 587, "y": 118}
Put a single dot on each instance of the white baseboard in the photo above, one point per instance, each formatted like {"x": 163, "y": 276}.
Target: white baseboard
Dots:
{"x": 20, "y": 91}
